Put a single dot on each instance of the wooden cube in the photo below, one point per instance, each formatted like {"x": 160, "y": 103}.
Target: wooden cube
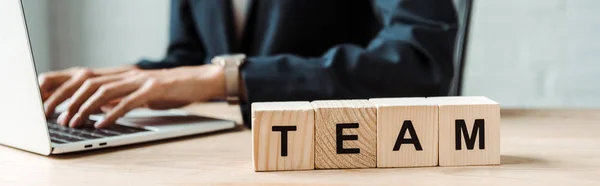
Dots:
{"x": 469, "y": 130}
{"x": 345, "y": 134}
{"x": 282, "y": 136}
{"x": 407, "y": 132}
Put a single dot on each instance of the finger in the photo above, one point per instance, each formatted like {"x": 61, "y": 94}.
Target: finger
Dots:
{"x": 65, "y": 91}
{"x": 84, "y": 92}
{"x": 46, "y": 95}
{"x": 48, "y": 82}
{"x": 103, "y": 95}
{"x": 110, "y": 105}
{"x": 107, "y": 108}
{"x": 62, "y": 116}
{"x": 149, "y": 91}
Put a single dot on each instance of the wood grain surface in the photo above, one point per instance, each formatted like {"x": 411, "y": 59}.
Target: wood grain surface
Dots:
{"x": 329, "y": 115}
{"x": 268, "y": 144}
{"x": 411, "y": 114}
{"x": 539, "y": 147}
{"x": 484, "y": 148}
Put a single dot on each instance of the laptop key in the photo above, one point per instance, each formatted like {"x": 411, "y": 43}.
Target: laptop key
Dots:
{"x": 60, "y": 134}
{"x": 57, "y": 135}
{"x": 66, "y": 133}
{"x": 81, "y": 134}
{"x": 99, "y": 132}
{"x": 94, "y": 134}
{"x": 69, "y": 131}
{"x": 57, "y": 140}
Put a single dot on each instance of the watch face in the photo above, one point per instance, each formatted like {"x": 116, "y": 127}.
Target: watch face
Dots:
{"x": 218, "y": 61}
{"x": 233, "y": 60}
{"x": 238, "y": 56}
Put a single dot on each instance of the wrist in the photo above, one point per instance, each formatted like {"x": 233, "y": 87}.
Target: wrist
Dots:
{"x": 219, "y": 90}
{"x": 195, "y": 83}
{"x": 208, "y": 81}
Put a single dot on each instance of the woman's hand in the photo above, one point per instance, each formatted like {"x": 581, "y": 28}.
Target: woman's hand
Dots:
{"x": 58, "y": 86}
{"x": 156, "y": 89}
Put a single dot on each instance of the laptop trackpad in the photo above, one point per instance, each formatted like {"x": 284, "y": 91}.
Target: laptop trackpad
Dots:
{"x": 162, "y": 120}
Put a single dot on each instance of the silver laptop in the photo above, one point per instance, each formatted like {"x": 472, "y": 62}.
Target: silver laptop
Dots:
{"x": 23, "y": 124}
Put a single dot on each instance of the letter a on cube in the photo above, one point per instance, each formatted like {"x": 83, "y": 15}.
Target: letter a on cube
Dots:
{"x": 282, "y": 136}
{"x": 407, "y": 132}
{"x": 469, "y": 131}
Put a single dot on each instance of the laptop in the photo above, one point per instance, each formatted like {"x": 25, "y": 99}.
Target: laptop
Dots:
{"x": 23, "y": 124}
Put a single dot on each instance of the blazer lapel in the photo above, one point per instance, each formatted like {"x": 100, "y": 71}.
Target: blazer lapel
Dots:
{"x": 215, "y": 25}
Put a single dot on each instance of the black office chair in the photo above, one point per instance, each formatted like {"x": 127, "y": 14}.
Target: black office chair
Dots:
{"x": 463, "y": 8}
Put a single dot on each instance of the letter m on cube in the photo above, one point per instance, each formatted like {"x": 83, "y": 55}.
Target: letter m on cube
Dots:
{"x": 469, "y": 131}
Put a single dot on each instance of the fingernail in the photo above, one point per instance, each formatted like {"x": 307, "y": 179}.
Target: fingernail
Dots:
{"x": 75, "y": 120}
{"x": 68, "y": 117}
{"x": 98, "y": 123}
{"x": 61, "y": 119}
{"x": 46, "y": 111}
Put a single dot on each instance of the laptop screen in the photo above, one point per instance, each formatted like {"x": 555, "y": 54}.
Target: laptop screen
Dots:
{"x": 22, "y": 120}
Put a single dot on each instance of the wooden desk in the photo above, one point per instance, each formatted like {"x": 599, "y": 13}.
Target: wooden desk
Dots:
{"x": 539, "y": 147}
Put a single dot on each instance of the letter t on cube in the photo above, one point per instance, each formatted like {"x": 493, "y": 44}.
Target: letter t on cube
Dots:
{"x": 469, "y": 131}
{"x": 282, "y": 135}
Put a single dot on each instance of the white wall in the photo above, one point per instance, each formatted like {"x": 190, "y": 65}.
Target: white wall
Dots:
{"x": 98, "y": 33}
{"x": 535, "y": 53}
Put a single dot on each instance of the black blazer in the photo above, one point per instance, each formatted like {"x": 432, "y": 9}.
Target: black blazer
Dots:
{"x": 321, "y": 49}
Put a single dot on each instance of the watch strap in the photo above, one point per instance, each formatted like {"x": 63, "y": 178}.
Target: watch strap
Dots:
{"x": 231, "y": 69}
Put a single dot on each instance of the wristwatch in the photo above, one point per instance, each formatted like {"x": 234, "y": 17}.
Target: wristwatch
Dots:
{"x": 231, "y": 68}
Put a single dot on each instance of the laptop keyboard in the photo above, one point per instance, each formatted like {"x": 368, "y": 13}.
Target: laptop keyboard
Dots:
{"x": 60, "y": 134}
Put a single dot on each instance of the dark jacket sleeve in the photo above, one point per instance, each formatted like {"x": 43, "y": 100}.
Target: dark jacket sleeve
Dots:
{"x": 410, "y": 56}
{"x": 184, "y": 44}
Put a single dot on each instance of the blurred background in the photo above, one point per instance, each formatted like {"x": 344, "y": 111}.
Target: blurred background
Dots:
{"x": 521, "y": 53}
